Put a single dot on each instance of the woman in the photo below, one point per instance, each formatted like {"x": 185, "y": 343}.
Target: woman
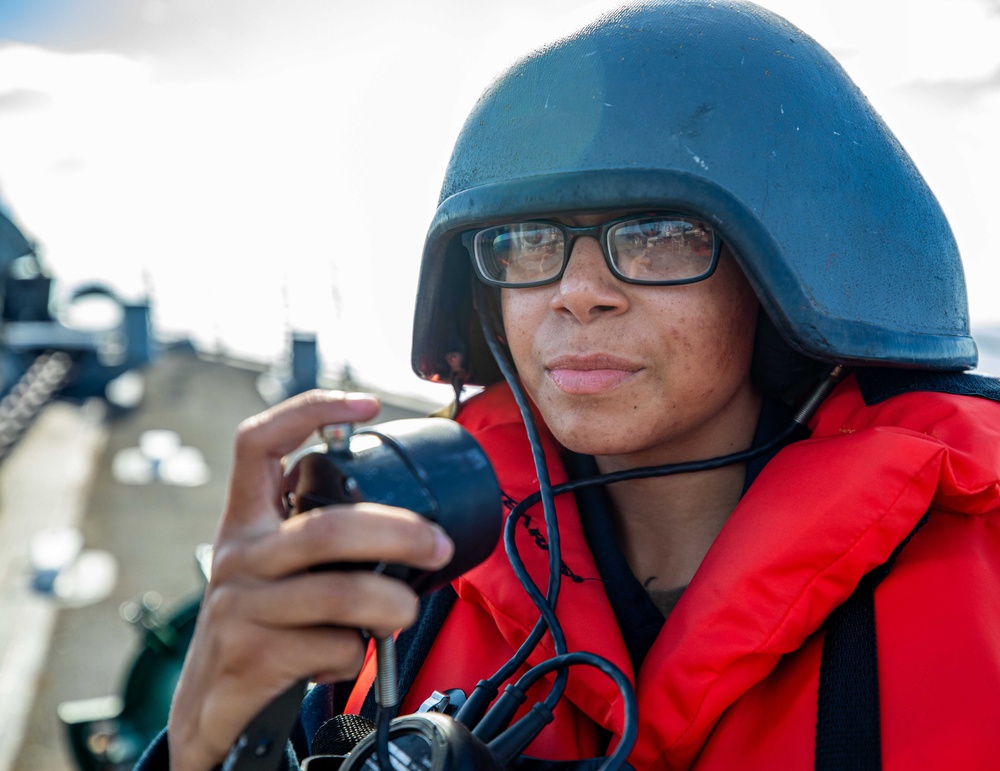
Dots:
{"x": 680, "y": 224}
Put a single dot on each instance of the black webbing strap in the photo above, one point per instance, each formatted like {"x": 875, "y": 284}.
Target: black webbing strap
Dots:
{"x": 848, "y": 735}
{"x": 878, "y": 384}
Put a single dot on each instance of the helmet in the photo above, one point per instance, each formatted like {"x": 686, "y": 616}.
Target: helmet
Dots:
{"x": 725, "y": 111}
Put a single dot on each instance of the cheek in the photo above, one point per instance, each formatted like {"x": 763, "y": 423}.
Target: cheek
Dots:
{"x": 520, "y": 326}
{"x": 737, "y": 329}
{"x": 734, "y": 308}
{"x": 710, "y": 340}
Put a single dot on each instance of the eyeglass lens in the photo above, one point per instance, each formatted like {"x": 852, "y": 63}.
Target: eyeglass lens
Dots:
{"x": 646, "y": 249}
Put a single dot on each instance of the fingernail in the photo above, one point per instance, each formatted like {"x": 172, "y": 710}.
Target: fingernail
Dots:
{"x": 357, "y": 396}
{"x": 443, "y": 547}
{"x": 360, "y": 402}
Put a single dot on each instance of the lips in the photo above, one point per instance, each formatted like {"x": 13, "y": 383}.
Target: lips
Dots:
{"x": 590, "y": 374}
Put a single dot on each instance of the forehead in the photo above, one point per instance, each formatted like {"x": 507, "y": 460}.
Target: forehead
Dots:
{"x": 588, "y": 219}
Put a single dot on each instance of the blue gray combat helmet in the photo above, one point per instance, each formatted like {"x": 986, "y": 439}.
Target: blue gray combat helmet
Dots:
{"x": 728, "y": 112}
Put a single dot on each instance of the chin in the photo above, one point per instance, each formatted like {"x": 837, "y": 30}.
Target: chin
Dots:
{"x": 589, "y": 425}
{"x": 598, "y": 449}
{"x": 591, "y": 438}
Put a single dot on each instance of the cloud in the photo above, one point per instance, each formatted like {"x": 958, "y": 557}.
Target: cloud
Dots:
{"x": 23, "y": 99}
{"x": 957, "y": 92}
{"x": 35, "y": 69}
{"x": 242, "y": 151}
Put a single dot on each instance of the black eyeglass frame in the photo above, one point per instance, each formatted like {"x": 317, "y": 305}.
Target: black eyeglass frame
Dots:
{"x": 601, "y": 232}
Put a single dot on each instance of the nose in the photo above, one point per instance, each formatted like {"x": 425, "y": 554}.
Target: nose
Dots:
{"x": 588, "y": 289}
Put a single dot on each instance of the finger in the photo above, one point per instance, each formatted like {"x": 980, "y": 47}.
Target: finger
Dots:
{"x": 271, "y": 659}
{"x": 355, "y": 599}
{"x": 352, "y": 533}
{"x": 261, "y": 442}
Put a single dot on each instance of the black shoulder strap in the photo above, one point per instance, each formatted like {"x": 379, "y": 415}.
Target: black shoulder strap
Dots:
{"x": 880, "y": 383}
{"x": 848, "y": 735}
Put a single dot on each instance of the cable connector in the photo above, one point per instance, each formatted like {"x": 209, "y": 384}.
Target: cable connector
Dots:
{"x": 509, "y": 745}
{"x": 500, "y": 714}
{"x": 809, "y": 407}
{"x": 475, "y": 706}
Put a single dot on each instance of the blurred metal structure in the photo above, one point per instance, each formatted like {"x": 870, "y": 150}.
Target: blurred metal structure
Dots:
{"x": 110, "y": 733}
{"x": 49, "y": 350}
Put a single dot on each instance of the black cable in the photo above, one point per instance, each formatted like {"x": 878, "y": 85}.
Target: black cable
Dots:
{"x": 799, "y": 422}
{"x": 548, "y": 615}
{"x": 686, "y": 467}
{"x": 546, "y": 495}
{"x": 509, "y": 744}
{"x": 538, "y": 457}
{"x": 500, "y": 713}
{"x": 417, "y": 472}
{"x": 548, "y": 618}
{"x": 383, "y": 719}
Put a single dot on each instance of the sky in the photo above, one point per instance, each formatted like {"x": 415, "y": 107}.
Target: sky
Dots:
{"x": 257, "y": 167}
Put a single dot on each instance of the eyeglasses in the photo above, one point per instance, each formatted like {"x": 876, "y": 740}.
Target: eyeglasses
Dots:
{"x": 656, "y": 248}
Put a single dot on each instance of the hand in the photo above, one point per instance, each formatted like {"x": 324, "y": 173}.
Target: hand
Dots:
{"x": 265, "y": 621}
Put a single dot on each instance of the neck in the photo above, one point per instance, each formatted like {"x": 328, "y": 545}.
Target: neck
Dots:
{"x": 666, "y": 526}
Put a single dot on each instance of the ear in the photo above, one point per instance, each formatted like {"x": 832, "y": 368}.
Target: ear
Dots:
{"x": 778, "y": 369}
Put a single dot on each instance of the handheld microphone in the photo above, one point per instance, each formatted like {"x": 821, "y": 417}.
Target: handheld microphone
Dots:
{"x": 432, "y": 466}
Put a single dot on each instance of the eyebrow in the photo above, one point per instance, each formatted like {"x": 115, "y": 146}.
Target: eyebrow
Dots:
{"x": 573, "y": 219}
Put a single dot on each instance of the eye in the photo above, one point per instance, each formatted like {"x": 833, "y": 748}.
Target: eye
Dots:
{"x": 662, "y": 248}
{"x": 532, "y": 236}
{"x": 524, "y": 252}
{"x": 655, "y": 228}
{"x": 653, "y": 231}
